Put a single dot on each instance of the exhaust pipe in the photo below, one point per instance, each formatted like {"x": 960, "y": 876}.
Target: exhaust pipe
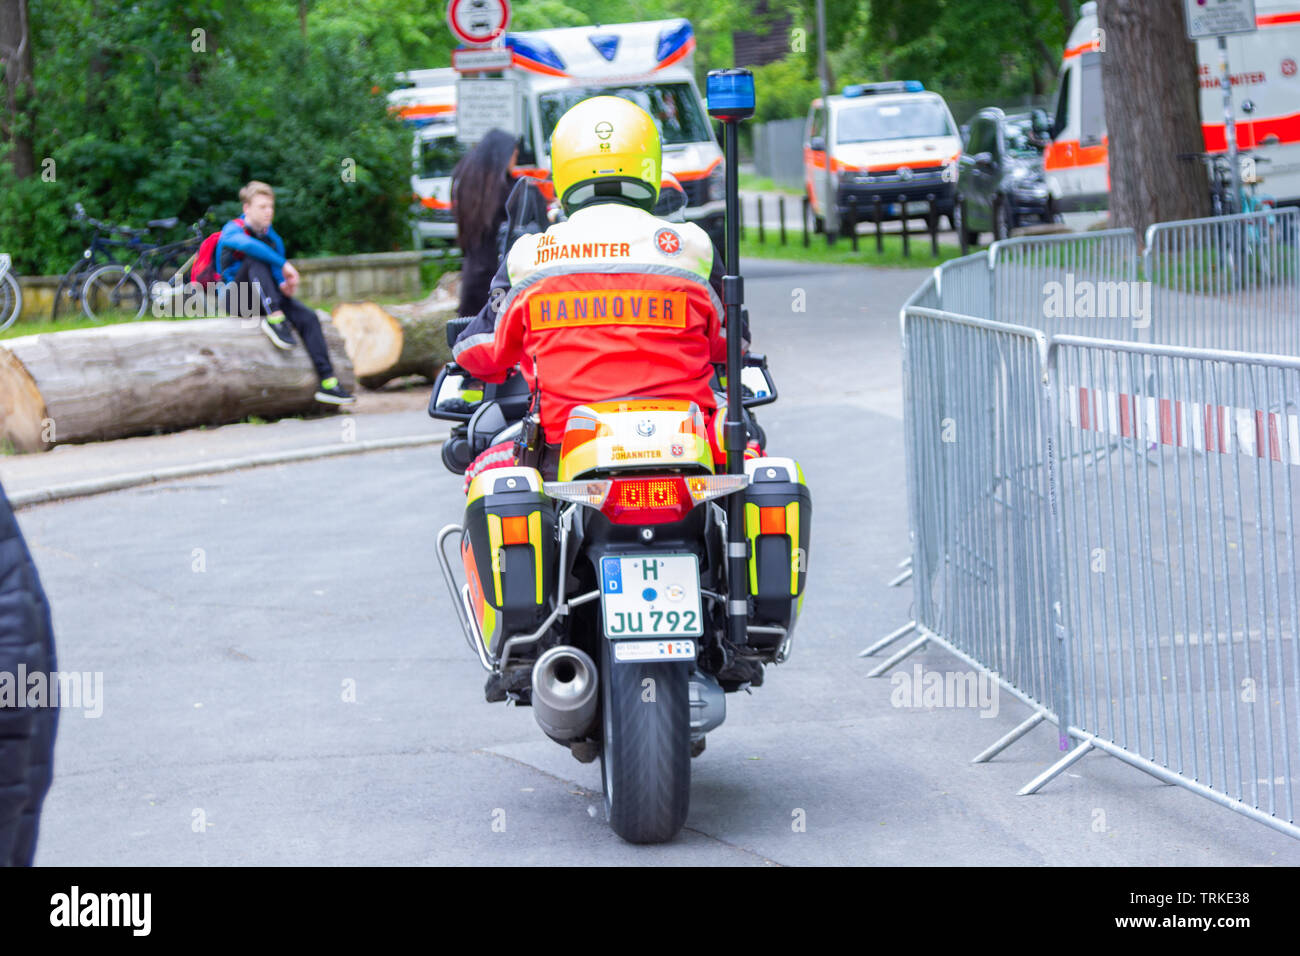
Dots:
{"x": 564, "y": 692}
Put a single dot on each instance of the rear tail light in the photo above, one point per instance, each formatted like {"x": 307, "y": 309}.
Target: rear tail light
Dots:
{"x": 651, "y": 499}
{"x": 648, "y": 500}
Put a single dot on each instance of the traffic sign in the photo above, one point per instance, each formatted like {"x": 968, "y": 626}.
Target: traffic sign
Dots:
{"x": 475, "y": 59}
{"x": 484, "y": 105}
{"x": 1219, "y": 18}
{"x": 478, "y": 22}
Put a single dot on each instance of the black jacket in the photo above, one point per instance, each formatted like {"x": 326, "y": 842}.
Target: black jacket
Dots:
{"x": 26, "y": 733}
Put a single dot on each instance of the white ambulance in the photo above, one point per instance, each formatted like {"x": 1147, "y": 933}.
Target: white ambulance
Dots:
{"x": 426, "y": 101}
{"x": 1265, "y": 74}
{"x": 892, "y": 141}
{"x": 650, "y": 63}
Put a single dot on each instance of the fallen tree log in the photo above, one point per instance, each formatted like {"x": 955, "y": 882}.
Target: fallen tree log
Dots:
{"x": 372, "y": 337}
{"x": 141, "y": 377}
{"x": 390, "y": 342}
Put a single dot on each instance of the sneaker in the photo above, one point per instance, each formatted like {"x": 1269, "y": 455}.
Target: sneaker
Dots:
{"x": 331, "y": 394}
{"x": 278, "y": 331}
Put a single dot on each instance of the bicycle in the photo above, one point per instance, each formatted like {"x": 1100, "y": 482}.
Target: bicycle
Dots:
{"x": 101, "y": 251}
{"x": 11, "y": 294}
{"x": 1251, "y": 233}
{"x": 153, "y": 277}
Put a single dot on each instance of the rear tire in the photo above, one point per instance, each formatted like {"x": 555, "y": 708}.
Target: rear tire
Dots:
{"x": 11, "y": 301}
{"x": 111, "y": 289}
{"x": 645, "y": 761}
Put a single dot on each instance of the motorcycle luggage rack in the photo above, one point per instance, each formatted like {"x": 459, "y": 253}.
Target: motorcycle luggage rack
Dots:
{"x": 465, "y": 611}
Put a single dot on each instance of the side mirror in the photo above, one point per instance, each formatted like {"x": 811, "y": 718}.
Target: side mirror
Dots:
{"x": 817, "y": 144}
{"x": 445, "y": 402}
{"x": 757, "y": 381}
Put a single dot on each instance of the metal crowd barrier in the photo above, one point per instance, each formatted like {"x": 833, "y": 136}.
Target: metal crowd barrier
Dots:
{"x": 1082, "y": 284}
{"x": 1179, "y": 557}
{"x": 1231, "y": 282}
{"x": 1108, "y": 527}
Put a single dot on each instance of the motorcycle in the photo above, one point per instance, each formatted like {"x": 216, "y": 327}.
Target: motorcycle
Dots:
{"x": 595, "y": 580}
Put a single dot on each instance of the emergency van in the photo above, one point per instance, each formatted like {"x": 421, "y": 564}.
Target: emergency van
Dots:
{"x": 650, "y": 63}
{"x": 426, "y": 101}
{"x": 1264, "y": 75}
{"x": 893, "y": 141}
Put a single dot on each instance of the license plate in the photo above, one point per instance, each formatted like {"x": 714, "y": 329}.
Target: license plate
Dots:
{"x": 655, "y": 596}
{"x": 674, "y": 650}
{"x": 913, "y": 208}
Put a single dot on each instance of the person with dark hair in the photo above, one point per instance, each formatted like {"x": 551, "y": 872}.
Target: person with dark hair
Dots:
{"x": 480, "y": 184}
{"x": 26, "y": 732}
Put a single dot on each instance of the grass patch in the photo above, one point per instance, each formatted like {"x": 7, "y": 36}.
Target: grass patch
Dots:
{"x": 751, "y": 182}
{"x": 842, "y": 254}
{"x": 433, "y": 269}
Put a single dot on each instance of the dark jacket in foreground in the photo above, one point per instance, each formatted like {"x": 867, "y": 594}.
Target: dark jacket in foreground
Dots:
{"x": 26, "y": 733}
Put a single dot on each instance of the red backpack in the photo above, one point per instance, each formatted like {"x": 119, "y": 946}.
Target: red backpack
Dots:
{"x": 206, "y": 271}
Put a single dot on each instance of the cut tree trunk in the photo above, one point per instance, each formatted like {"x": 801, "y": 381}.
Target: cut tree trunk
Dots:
{"x": 399, "y": 340}
{"x": 373, "y": 338}
{"x": 424, "y": 346}
{"x": 142, "y": 377}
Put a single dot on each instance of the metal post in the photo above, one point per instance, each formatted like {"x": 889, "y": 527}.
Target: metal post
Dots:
{"x": 1230, "y": 126}
{"x": 853, "y": 221}
{"x": 762, "y": 235}
{"x": 880, "y": 234}
{"x": 824, "y": 74}
{"x": 733, "y": 297}
{"x": 902, "y": 221}
{"x": 961, "y": 233}
{"x": 806, "y": 229}
{"x": 932, "y": 218}
{"x": 780, "y": 214}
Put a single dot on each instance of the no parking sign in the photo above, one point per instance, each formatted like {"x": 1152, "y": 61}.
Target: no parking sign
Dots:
{"x": 478, "y": 22}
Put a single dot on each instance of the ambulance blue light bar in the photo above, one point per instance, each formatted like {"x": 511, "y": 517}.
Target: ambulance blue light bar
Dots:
{"x": 537, "y": 51}
{"x": 730, "y": 94}
{"x": 672, "y": 39}
{"x": 874, "y": 89}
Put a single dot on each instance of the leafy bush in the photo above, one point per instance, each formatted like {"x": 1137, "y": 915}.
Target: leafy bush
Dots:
{"x": 138, "y": 118}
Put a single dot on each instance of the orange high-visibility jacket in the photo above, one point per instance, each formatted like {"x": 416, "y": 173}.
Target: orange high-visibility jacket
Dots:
{"x": 612, "y": 303}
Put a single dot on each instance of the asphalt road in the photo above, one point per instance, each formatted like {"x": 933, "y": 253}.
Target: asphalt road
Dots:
{"x": 284, "y": 681}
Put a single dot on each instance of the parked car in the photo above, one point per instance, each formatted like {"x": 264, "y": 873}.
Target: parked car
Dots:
{"x": 1003, "y": 159}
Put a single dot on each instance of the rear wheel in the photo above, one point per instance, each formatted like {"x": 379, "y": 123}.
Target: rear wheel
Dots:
{"x": 11, "y": 300}
{"x": 645, "y": 762}
{"x": 111, "y": 292}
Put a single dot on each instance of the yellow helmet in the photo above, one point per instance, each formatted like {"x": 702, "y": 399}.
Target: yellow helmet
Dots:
{"x": 606, "y": 146}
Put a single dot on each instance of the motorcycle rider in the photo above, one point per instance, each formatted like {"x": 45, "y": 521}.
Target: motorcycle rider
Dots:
{"x": 611, "y": 303}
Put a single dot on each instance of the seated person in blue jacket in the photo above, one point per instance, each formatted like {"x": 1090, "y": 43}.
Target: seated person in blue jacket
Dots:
{"x": 250, "y": 251}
